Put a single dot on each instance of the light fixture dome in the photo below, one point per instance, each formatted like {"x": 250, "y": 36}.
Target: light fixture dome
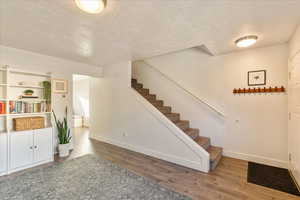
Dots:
{"x": 91, "y": 6}
{"x": 246, "y": 41}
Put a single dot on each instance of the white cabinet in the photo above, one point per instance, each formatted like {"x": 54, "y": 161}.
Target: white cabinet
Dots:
{"x": 21, "y": 149}
{"x": 42, "y": 141}
{"x": 3, "y": 153}
{"x": 30, "y": 148}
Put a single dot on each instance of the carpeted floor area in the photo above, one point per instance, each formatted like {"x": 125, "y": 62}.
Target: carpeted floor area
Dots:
{"x": 272, "y": 177}
{"x": 85, "y": 178}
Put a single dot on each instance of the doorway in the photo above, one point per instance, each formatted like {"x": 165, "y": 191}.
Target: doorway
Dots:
{"x": 81, "y": 101}
{"x": 81, "y": 114}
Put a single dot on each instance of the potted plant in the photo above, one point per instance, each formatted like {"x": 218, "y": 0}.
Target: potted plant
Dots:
{"x": 28, "y": 92}
{"x": 47, "y": 94}
{"x": 64, "y": 135}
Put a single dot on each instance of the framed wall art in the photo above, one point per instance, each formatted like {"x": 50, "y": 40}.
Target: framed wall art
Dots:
{"x": 257, "y": 77}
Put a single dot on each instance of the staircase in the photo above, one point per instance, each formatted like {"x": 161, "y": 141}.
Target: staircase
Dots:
{"x": 214, "y": 152}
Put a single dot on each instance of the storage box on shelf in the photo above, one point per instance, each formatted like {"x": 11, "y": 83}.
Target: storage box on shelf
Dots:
{"x": 24, "y": 149}
{"x": 28, "y": 123}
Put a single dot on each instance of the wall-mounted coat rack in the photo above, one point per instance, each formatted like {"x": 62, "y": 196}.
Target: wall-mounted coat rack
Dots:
{"x": 258, "y": 90}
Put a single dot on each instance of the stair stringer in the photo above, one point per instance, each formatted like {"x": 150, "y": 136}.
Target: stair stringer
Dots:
{"x": 204, "y": 166}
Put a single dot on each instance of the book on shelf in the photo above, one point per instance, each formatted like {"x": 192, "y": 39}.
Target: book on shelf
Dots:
{"x": 2, "y": 107}
{"x": 16, "y": 107}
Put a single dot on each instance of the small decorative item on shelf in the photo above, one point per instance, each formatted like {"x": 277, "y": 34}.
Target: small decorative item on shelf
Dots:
{"x": 258, "y": 90}
{"x": 28, "y": 92}
{"x": 64, "y": 135}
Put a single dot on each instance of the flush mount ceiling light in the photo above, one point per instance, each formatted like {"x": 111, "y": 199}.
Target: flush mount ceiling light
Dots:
{"x": 246, "y": 41}
{"x": 91, "y": 6}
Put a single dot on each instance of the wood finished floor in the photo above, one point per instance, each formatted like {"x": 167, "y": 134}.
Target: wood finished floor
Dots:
{"x": 227, "y": 181}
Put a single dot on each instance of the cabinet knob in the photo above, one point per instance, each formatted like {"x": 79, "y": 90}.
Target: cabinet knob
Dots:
{"x": 35, "y": 147}
{"x": 31, "y": 147}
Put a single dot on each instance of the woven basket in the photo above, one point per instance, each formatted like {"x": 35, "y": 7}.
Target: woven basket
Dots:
{"x": 37, "y": 122}
{"x": 28, "y": 123}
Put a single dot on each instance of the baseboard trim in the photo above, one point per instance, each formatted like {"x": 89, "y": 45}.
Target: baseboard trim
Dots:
{"x": 30, "y": 166}
{"x": 3, "y": 173}
{"x": 257, "y": 159}
{"x": 172, "y": 159}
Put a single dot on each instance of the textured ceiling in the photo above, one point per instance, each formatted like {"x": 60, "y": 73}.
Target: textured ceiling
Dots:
{"x": 136, "y": 29}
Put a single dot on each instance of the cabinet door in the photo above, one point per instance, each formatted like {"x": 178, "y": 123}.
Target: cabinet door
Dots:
{"x": 3, "y": 153}
{"x": 21, "y": 149}
{"x": 43, "y": 148}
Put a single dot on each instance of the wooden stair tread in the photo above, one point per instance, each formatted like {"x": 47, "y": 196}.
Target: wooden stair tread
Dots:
{"x": 133, "y": 81}
{"x": 164, "y": 109}
{"x": 171, "y": 114}
{"x": 157, "y": 103}
{"x": 150, "y": 97}
{"x": 183, "y": 121}
{"x": 192, "y": 132}
{"x": 214, "y": 152}
{"x": 143, "y": 91}
{"x": 203, "y": 141}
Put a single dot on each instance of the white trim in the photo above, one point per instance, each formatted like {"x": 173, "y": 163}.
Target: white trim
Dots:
{"x": 3, "y": 173}
{"x": 156, "y": 154}
{"x": 257, "y": 159}
{"x": 30, "y": 166}
{"x": 16, "y": 71}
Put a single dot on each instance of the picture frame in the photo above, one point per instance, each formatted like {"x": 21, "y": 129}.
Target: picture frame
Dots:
{"x": 60, "y": 86}
{"x": 256, "y": 78}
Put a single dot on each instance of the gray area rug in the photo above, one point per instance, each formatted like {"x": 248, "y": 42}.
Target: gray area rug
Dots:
{"x": 85, "y": 178}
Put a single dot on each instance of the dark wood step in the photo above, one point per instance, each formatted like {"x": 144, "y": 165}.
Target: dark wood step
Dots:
{"x": 143, "y": 91}
{"x": 174, "y": 117}
{"x": 183, "y": 124}
{"x": 150, "y": 97}
{"x": 133, "y": 81}
{"x": 157, "y": 103}
{"x": 203, "y": 142}
{"x": 215, "y": 155}
{"x": 192, "y": 132}
{"x": 137, "y": 86}
{"x": 164, "y": 109}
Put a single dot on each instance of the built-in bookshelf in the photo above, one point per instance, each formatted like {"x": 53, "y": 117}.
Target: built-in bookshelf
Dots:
{"x": 15, "y": 103}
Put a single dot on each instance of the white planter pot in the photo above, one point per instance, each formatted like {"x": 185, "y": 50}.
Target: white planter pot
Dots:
{"x": 64, "y": 150}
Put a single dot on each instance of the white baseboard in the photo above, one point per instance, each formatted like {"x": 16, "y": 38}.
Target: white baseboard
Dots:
{"x": 170, "y": 158}
{"x": 257, "y": 159}
{"x": 3, "y": 173}
{"x": 30, "y": 166}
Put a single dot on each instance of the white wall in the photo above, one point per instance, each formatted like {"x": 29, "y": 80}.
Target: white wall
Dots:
{"x": 122, "y": 119}
{"x": 294, "y": 105}
{"x": 255, "y": 126}
{"x": 60, "y": 68}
